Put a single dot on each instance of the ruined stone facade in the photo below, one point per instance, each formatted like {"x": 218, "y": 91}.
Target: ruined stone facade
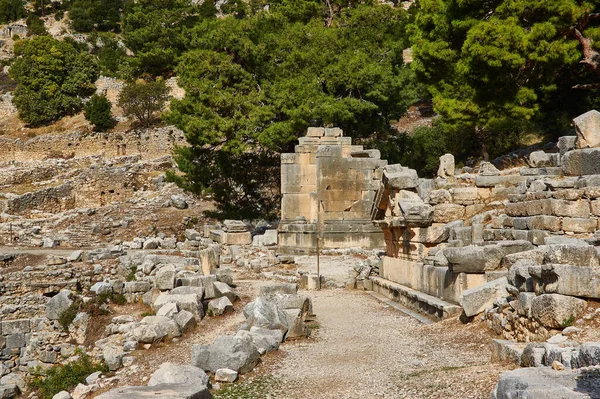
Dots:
{"x": 328, "y": 187}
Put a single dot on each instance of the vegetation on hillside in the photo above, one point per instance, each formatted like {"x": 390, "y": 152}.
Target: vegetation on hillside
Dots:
{"x": 257, "y": 73}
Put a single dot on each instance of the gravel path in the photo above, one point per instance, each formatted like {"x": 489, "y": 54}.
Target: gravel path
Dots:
{"x": 364, "y": 349}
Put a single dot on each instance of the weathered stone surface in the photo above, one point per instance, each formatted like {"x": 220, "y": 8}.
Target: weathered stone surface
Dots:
{"x": 479, "y": 259}
{"x": 58, "y": 304}
{"x": 540, "y": 159}
{"x": 219, "y": 306}
{"x": 569, "y": 254}
{"x": 155, "y": 328}
{"x": 400, "y": 177}
{"x": 581, "y": 162}
{"x": 137, "y": 286}
{"x": 162, "y": 391}
{"x": 62, "y": 395}
{"x": 185, "y": 320}
{"x": 446, "y": 213}
{"x": 170, "y": 373}
{"x": 446, "y": 168}
{"x": 101, "y": 288}
{"x": 165, "y": 278}
{"x": 436, "y": 197}
{"x": 226, "y": 375}
{"x": 237, "y": 353}
{"x": 580, "y": 225}
{"x": 546, "y": 383}
{"x": 113, "y": 356}
{"x": 168, "y": 310}
{"x": 556, "y": 311}
{"x": 191, "y": 302}
{"x": 280, "y": 288}
{"x": 223, "y": 289}
{"x": 476, "y": 300}
{"x": 18, "y": 326}
{"x": 266, "y": 314}
{"x": 587, "y": 127}
{"x": 266, "y": 340}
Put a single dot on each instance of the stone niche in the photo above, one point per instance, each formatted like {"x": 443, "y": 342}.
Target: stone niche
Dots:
{"x": 328, "y": 189}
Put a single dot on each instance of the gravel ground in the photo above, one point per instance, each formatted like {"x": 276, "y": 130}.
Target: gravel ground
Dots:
{"x": 361, "y": 349}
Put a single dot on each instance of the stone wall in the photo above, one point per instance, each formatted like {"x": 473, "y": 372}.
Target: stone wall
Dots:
{"x": 148, "y": 144}
{"x": 328, "y": 186}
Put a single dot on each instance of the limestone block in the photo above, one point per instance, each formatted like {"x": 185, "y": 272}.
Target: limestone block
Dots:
{"x": 540, "y": 159}
{"x": 479, "y": 259}
{"x": 465, "y": 195}
{"x": 587, "y": 127}
{"x": 569, "y": 194}
{"x": 427, "y": 235}
{"x": 315, "y": 132}
{"x": 296, "y": 205}
{"x": 596, "y": 207}
{"x": 445, "y": 213}
{"x": 574, "y": 209}
{"x": 524, "y": 303}
{"x": 580, "y": 225}
{"x": 399, "y": 177}
{"x": 539, "y": 383}
{"x": 242, "y": 238}
{"x": 476, "y": 300}
{"x": 492, "y": 181}
{"x": 488, "y": 169}
{"x": 555, "y": 310}
{"x": 446, "y": 168}
{"x": 544, "y": 222}
{"x": 436, "y": 197}
{"x": 566, "y": 143}
{"x": 163, "y": 391}
{"x": 581, "y": 162}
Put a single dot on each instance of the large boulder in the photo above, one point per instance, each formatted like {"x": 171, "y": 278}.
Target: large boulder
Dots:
{"x": 237, "y": 353}
{"x": 185, "y": 374}
{"x": 557, "y": 311}
{"x": 155, "y": 328}
{"x": 58, "y": 304}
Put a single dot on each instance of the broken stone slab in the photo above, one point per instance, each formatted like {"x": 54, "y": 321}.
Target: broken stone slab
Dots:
{"x": 165, "y": 278}
{"x": 155, "y": 328}
{"x": 587, "y": 127}
{"x": 479, "y": 259}
{"x": 266, "y": 314}
{"x": 540, "y": 159}
{"x": 566, "y": 280}
{"x": 184, "y": 374}
{"x": 113, "y": 356}
{"x": 163, "y": 391}
{"x": 101, "y": 288}
{"x": 265, "y": 340}
{"x": 569, "y": 254}
{"x": 546, "y": 383}
{"x": 223, "y": 289}
{"x": 478, "y": 299}
{"x": 185, "y": 320}
{"x": 168, "y": 310}
{"x": 296, "y": 328}
{"x": 400, "y": 177}
{"x": 8, "y": 391}
{"x": 137, "y": 286}
{"x": 219, "y": 306}
{"x": 192, "y": 303}
{"x": 557, "y": 311}
{"x": 237, "y": 353}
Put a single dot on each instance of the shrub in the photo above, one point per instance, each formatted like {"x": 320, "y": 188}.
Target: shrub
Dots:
{"x": 58, "y": 378}
{"x": 68, "y": 315}
{"x": 142, "y": 99}
{"x": 35, "y": 26}
{"x": 11, "y": 10}
{"x": 98, "y": 112}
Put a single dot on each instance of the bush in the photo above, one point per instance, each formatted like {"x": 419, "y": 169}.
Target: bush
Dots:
{"x": 142, "y": 99}
{"x": 58, "y": 378}
{"x": 52, "y": 77}
{"x": 11, "y": 10}
{"x": 35, "y": 26}
{"x": 68, "y": 315}
{"x": 98, "y": 112}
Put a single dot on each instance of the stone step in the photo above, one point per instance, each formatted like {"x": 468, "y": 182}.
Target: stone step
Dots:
{"x": 400, "y": 308}
{"x": 416, "y": 300}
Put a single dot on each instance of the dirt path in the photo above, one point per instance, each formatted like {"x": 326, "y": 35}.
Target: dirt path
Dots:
{"x": 364, "y": 349}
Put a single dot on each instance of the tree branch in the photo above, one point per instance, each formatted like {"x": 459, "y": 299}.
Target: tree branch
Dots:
{"x": 590, "y": 56}
{"x": 330, "y": 18}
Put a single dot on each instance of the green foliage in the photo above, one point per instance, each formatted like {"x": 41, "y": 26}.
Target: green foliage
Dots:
{"x": 131, "y": 275}
{"x": 105, "y": 297}
{"x": 255, "y": 83}
{"x": 52, "y": 76}
{"x": 68, "y": 315}
{"x": 89, "y": 15}
{"x": 112, "y": 56}
{"x": 35, "y": 26}
{"x": 11, "y": 10}
{"x": 98, "y": 112}
{"x": 158, "y": 31}
{"x": 143, "y": 99}
{"x": 492, "y": 67}
{"x": 49, "y": 382}
{"x": 568, "y": 322}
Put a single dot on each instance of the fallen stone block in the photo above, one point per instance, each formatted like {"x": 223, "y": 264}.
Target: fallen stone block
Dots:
{"x": 57, "y": 305}
{"x": 587, "y": 127}
{"x": 237, "y": 353}
{"x": 184, "y": 374}
{"x": 226, "y": 375}
{"x": 191, "y": 302}
{"x": 265, "y": 340}
{"x": 219, "y": 306}
{"x": 557, "y": 311}
{"x": 476, "y": 300}
{"x": 581, "y": 162}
